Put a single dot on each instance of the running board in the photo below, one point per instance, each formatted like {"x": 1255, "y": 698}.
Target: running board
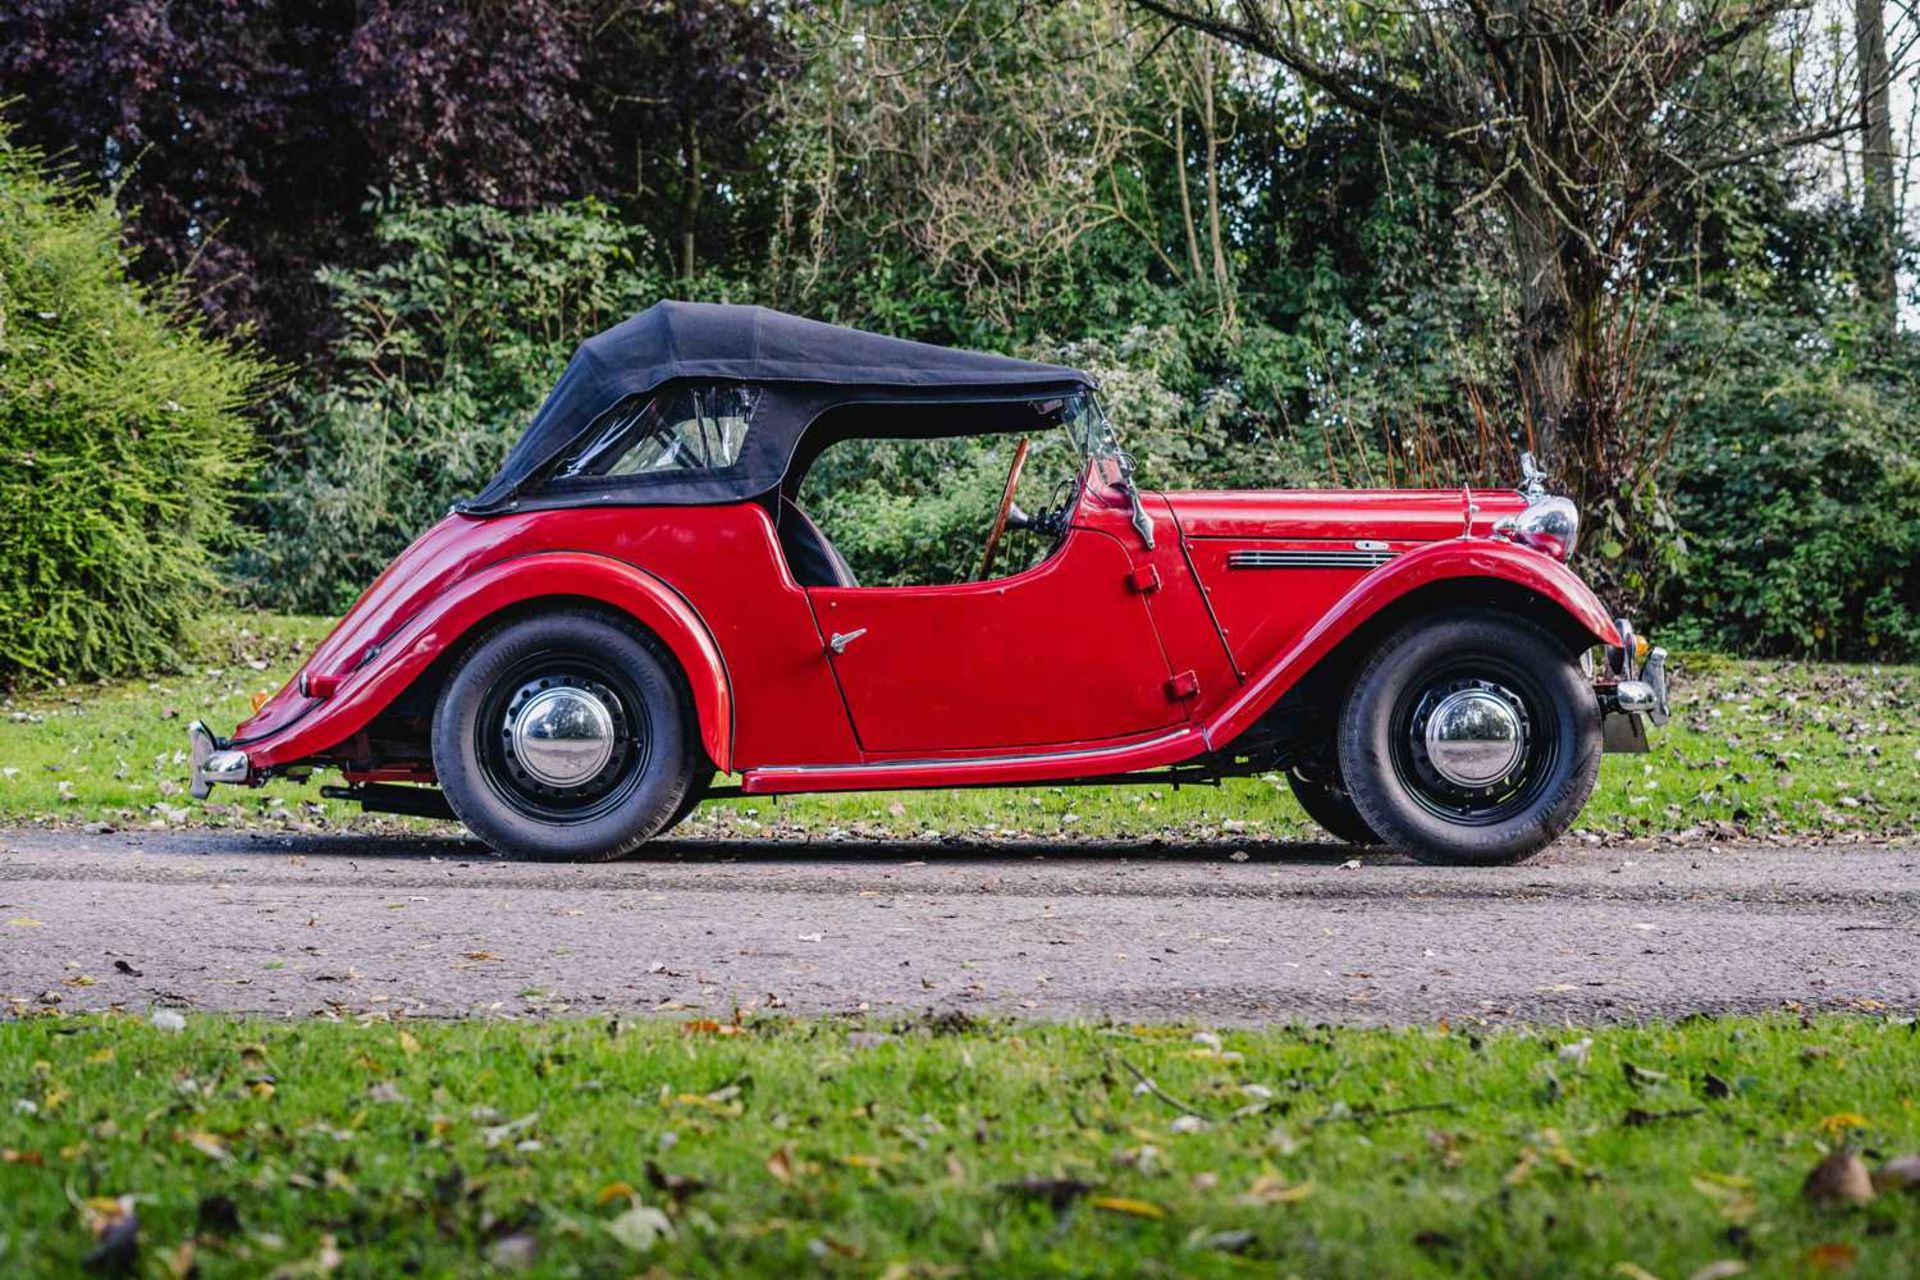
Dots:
{"x": 989, "y": 771}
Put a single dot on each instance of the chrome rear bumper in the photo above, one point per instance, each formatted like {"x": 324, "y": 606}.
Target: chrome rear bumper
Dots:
{"x": 211, "y": 762}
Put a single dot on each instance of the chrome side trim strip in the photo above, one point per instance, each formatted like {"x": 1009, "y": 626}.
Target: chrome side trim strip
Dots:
{"x": 1048, "y": 757}
{"x": 1308, "y": 559}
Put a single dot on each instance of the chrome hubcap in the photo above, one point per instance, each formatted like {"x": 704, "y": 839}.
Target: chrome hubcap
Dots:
{"x": 1474, "y": 738}
{"x": 562, "y": 735}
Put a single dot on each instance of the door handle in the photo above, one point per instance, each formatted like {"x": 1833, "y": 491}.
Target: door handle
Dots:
{"x": 839, "y": 641}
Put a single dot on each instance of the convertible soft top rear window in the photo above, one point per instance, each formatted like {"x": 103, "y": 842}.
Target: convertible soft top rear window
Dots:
{"x": 688, "y": 428}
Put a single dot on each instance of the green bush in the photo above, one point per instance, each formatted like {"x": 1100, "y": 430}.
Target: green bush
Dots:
{"x": 450, "y": 344}
{"x": 1796, "y": 480}
{"x": 122, "y": 439}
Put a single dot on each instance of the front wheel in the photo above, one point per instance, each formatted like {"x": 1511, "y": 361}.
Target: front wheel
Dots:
{"x": 1470, "y": 739}
{"x": 564, "y": 737}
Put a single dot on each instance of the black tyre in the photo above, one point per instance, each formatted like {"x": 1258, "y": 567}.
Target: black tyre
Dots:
{"x": 565, "y": 736}
{"x": 697, "y": 788}
{"x": 1329, "y": 804}
{"x": 1470, "y": 739}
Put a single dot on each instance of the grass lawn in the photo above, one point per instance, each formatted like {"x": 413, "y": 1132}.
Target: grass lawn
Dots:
{"x": 782, "y": 1148}
{"x": 1765, "y": 747}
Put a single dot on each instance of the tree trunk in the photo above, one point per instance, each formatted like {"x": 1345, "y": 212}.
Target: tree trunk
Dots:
{"x": 1545, "y": 349}
{"x": 689, "y": 198}
{"x": 1222, "y": 282}
{"x": 1879, "y": 276}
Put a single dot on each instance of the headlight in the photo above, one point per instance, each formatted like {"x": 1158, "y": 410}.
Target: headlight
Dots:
{"x": 1548, "y": 525}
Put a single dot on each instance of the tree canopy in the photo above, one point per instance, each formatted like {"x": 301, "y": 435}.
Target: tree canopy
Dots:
{"x": 1665, "y": 242}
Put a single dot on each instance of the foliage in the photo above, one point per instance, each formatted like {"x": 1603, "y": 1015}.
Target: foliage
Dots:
{"x": 1798, "y": 486}
{"x": 450, "y": 344}
{"x": 122, "y": 439}
{"x": 1755, "y": 748}
{"x": 471, "y": 102}
{"x": 241, "y": 138}
{"x": 1311, "y": 253}
{"x": 734, "y": 1146}
{"x": 1577, "y": 122}
{"x": 220, "y": 130}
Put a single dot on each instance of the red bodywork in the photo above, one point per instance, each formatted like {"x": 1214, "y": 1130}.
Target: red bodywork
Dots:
{"x": 1107, "y": 657}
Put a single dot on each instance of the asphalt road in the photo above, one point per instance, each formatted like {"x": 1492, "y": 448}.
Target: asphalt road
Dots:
{"x": 304, "y": 925}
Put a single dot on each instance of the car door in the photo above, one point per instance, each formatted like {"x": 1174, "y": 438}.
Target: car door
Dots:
{"x": 1064, "y": 653}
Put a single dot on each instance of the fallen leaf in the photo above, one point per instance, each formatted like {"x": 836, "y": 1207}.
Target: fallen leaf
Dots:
{"x": 1832, "y": 1257}
{"x": 1225, "y": 1241}
{"x": 780, "y": 1164}
{"x": 1897, "y": 1174}
{"x": 495, "y": 1135}
{"x": 116, "y": 1233}
{"x": 678, "y": 1186}
{"x": 708, "y": 1027}
{"x": 1272, "y": 1189}
{"x": 640, "y": 1228}
{"x": 410, "y": 1046}
{"x": 1840, "y": 1122}
{"x": 1721, "y": 1269}
{"x": 1635, "y": 1116}
{"x": 1840, "y": 1179}
{"x": 1129, "y": 1206}
{"x": 206, "y": 1144}
{"x": 325, "y": 1261}
{"x": 24, "y": 922}
{"x": 1632, "y": 1272}
{"x": 614, "y": 1191}
{"x": 1639, "y": 1075}
{"x": 1057, "y": 1192}
{"x": 517, "y": 1252}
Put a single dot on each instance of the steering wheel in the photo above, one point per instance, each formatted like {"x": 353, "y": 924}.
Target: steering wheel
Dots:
{"x": 1006, "y": 506}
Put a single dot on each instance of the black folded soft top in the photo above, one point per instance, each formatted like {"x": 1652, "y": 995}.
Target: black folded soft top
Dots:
{"x": 803, "y": 367}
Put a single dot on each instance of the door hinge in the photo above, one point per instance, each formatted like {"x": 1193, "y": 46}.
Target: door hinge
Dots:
{"x": 1145, "y": 580}
{"x": 1183, "y": 686}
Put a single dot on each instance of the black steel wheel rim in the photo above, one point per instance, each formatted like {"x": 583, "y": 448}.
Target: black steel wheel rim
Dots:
{"x": 1513, "y": 793}
{"x": 529, "y": 795}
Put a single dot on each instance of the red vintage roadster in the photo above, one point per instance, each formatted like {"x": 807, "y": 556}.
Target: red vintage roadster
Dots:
{"x": 640, "y": 602}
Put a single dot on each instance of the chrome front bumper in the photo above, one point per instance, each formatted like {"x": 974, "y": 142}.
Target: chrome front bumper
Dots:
{"x": 211, "y": 762}
{"x": 1633, "y": 687}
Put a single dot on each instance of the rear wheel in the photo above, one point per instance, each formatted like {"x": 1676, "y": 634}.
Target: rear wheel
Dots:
{"x": 1470, "y": 739}
{"x": 1330, "y": 805}
{"x": 564, "y": 737}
